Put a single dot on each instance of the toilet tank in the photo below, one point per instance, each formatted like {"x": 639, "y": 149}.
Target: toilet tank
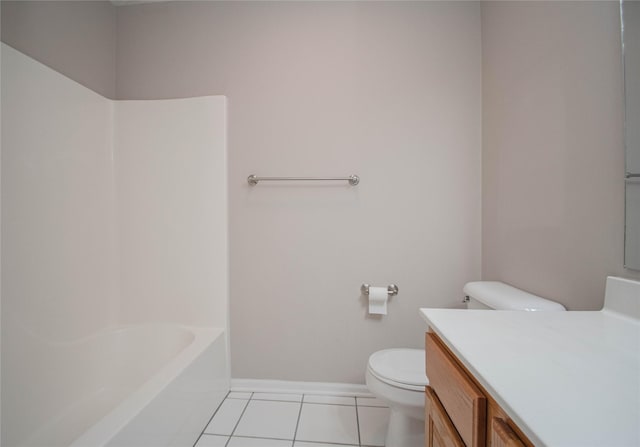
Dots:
{"x": 500, "y": 296}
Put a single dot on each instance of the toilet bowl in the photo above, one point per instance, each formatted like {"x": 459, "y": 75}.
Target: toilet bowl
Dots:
{"x": 397, "y": 377}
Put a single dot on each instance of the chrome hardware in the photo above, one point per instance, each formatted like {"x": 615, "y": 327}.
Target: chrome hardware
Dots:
{"x": 392, "y": 289}
{"x": 465, "y": 299}
{"x": 631, "y": 177}
{"x": 253, "y": 179}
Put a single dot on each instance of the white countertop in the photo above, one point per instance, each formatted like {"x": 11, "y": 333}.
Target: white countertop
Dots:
{"x": 565, "y": 378}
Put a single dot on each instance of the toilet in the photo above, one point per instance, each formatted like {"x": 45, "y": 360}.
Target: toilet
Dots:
{"x": 397, "y": 376}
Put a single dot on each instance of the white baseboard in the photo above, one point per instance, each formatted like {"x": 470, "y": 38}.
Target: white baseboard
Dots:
{"x": 289, "y": 387}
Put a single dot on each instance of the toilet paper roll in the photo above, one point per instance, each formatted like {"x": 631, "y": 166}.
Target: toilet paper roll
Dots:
{"x": 378, "y": 297}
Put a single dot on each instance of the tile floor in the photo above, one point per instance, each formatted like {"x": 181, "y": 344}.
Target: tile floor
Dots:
{"x": 296, "y": 420}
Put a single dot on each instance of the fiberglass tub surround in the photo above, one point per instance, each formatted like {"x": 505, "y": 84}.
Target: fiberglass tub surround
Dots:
{"x": 163, "y": 406}
{"x": 115, "y": 261}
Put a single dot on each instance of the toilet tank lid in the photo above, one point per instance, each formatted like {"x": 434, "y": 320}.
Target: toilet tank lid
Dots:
{"x": 500, "y": 296}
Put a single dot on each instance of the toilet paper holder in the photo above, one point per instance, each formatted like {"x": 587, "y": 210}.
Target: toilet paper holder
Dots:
{"x": 392, "y": 289}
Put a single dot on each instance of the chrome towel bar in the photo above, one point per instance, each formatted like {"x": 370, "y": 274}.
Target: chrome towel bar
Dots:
{"x": 632, "y": 177}
{"x": 253, "y": 179}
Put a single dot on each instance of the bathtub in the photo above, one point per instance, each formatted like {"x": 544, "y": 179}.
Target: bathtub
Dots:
{"x": 138, "y": 386}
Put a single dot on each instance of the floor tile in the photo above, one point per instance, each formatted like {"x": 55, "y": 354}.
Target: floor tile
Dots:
{"x": 370, "y": 402}
{"x": 212, "y": 441}
{"x": 258, "y": 442}
{"x": 226, "y": 417}
{"x": 335, "y": 400}
{"x": 269, "y": 419}
{"x": 328, "y": 423}
{"x": 320, "y": 444}
{"x": 239, "y": 395}
{"x": 373, "y": 422}
{"x": 278, "y": 396}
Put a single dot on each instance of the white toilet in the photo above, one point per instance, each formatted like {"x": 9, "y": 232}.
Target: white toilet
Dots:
{"x": 397, "y": 376}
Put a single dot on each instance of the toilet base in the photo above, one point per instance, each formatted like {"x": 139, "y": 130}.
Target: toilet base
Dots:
{"x": 404, "y": 431}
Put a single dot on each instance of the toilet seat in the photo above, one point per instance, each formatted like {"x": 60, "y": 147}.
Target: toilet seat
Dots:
{"x": 401, "y": 368}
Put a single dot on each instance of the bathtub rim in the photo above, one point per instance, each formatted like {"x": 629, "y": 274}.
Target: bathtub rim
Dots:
{"x": 106, "y": 428}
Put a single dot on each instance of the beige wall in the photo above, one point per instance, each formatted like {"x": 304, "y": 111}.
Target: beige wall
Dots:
{"x": 388, "y": 91}
{"x": 553, "y": 157}
{"x": 75, "y": 38}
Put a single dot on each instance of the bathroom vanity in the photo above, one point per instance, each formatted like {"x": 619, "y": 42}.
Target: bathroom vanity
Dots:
{"x": 513, "y": 378}
{"x": 458, "y": 412}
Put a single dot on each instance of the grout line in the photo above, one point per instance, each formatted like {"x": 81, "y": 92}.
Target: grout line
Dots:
{"x": 238, "y": 423}
{"x": 326, "y": 403}
{"x": 308, "y": 403}
{"x": 361, "y": 404}
{"x": 358, "y": 422}
{"x": 332, "y": 443}
{"x": 295, "y": 433}
{"x": 210, "y": 419}
{"x": 277, "y": 400}
{"x": 371, "y": 406}
{"x": 261, "y": 437}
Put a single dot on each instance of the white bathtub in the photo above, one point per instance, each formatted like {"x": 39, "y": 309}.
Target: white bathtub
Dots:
{"x": 154, "y": 385}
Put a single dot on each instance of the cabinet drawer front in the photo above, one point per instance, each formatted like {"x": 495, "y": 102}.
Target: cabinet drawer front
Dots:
{"x": 463, "y": 401}
{"x": 439, "y": 430}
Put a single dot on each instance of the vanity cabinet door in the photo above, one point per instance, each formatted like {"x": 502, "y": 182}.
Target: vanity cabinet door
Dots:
{"x": 503, "y": 436}
{"x": 458, "y": 411}
{"x": 439, "y": 430}
{"x": 462, "y": 400}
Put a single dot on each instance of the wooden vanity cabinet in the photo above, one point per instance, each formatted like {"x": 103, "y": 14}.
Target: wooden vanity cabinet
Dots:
{"x": 439, "y": 429}
{"x": 502, "y": 435}
{"x": 458, "y": 411}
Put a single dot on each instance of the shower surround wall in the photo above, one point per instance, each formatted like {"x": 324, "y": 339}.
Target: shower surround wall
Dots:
{"x": 58, "y": 237}
{"x": 171, "y": 182}
{"x": 113, "y": 213}
{"x": 389, "y": 91}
